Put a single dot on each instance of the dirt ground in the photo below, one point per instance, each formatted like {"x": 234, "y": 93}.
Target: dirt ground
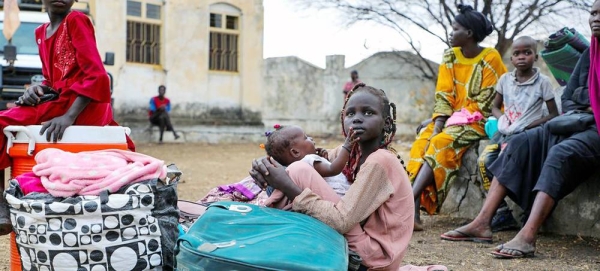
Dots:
{"x": 205, "y": 166}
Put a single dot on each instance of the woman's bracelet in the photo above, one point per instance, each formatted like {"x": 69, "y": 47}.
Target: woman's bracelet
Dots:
{"x": 346, "y": 148}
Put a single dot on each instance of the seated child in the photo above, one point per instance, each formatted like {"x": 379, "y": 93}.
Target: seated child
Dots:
{"x": 289, "y": 144}
{"x": 522, "y": 92}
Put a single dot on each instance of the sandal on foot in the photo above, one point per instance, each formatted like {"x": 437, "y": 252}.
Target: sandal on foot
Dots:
{"x": 461, "y": 236}
{"x": 519, "y": 253}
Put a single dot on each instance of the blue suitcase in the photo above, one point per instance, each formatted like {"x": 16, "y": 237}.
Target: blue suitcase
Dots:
{"x": 239, "y": 236}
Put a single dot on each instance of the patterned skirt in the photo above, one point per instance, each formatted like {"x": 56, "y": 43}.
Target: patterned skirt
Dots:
{"x": 443, "y": 152}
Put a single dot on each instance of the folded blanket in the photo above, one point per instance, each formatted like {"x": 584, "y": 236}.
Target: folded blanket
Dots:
{"x": 245, "y": 190}
{"x": 564, "y": 36}
{"x": 246, "y": 187}
{"x": 463, "y": 117}
{"x": 562, "y": 51}
{"x": 561, "y": 62}
{"x": 65, "y": 174}
{"x": 29, "y": 183}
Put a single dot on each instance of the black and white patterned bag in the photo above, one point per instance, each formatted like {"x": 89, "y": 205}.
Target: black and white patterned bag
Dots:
{"x": 133, "y": 229}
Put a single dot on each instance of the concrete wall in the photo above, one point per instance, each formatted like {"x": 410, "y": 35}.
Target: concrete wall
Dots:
{"x": 297, "y": 92}
{"x": 199, "y": 96}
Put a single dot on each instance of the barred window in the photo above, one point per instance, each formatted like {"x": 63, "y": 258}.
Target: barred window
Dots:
{"x": 223, "y": 42}
{"x": 144, "y": 21}
{"x": 223, "y": 52}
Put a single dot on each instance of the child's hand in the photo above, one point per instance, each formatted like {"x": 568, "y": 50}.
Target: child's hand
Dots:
{"x": 351, "y": 139}
{"x": 323, "y": 153}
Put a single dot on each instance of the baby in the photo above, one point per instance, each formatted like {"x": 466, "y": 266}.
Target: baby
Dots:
{"x": 288, "y": 144}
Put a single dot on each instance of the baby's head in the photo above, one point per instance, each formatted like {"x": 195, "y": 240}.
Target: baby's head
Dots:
{"x": 288, "y": 144}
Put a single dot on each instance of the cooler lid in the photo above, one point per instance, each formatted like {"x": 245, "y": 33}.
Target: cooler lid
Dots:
{"x": 73, "y": 134}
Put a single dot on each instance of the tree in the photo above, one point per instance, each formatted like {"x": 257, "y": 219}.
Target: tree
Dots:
{"x": 510, "y": 18}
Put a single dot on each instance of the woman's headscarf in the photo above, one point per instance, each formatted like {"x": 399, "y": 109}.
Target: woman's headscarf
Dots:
{"x": 594, "y": 79}
{"x": 474, "y": 21}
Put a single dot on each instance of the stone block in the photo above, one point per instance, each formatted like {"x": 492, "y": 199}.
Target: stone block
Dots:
{"x": 466, "y": 195}
{"x": 579, "y": 212}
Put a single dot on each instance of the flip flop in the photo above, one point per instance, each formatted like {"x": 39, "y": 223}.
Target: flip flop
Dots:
{"x": 466, "y": 237}
{"x": 521, "y": 253}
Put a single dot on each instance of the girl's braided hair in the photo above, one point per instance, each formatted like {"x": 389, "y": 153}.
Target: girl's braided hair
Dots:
{"x": 389, "y": 111}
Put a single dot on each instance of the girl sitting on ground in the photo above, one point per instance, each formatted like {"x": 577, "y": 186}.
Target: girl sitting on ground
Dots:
{"x": 376, "y": 214}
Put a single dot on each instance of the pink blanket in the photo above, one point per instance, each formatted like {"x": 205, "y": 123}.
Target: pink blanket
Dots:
{"x": 65, "y": 174}
{"x": 29, "y": 183}
{"x": 463, "y": 117}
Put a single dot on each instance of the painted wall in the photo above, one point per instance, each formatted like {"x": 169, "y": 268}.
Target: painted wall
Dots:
{"x": 297, "y": 92}
{"x": 197, "y": 94}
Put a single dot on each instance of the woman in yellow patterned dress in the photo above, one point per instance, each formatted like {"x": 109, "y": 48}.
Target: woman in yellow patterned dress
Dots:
{"x": 466, "y": 80}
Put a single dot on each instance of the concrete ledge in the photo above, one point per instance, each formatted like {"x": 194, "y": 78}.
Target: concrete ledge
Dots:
{"x": 576, "y": 214}
{"x": 144, "y": 133}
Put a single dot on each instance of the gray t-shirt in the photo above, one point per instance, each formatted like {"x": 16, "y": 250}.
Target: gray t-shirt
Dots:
{"x": 522, "y": 101}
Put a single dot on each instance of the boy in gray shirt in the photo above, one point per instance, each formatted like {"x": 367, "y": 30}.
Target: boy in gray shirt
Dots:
{"x": 522, "y": 93}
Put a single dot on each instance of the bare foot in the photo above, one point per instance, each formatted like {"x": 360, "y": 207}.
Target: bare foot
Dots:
{"x": 515, "y": 248}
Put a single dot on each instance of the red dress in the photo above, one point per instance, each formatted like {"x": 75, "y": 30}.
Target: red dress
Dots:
{"x": 72, "y": 66}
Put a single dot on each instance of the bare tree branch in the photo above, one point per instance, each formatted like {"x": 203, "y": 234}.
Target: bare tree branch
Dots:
{"x": 509, "y": 18}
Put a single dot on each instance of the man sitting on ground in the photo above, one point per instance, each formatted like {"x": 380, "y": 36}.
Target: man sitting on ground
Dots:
{"x": 160, "y": 107}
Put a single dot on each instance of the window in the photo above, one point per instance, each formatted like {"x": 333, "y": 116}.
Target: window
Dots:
{"x": 144, "y": 21}
{"x": 224, "y": 39}
{"x": 223, "y": 52}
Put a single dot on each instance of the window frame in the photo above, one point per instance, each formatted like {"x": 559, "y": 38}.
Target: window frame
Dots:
{"x": 144, "y": 20}
{"x": 224, "y": 30}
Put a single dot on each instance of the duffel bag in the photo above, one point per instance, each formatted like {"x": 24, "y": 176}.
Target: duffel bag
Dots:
{"x": 241, "y": 236}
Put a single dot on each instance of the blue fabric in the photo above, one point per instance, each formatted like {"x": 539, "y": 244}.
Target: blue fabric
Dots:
{"x": 491, "y": 127}
{"x": 260, "y": 239}
{"x": 152, "y": 105}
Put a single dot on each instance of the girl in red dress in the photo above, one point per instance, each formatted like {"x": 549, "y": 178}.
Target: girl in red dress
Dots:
{"x": 72, "y": 68}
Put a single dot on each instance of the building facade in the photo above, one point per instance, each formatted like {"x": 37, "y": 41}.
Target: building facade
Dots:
{"x": 207, "y": 53}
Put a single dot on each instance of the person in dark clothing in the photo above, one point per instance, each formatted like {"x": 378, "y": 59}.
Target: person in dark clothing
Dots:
{"x": 539, "y": 168}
